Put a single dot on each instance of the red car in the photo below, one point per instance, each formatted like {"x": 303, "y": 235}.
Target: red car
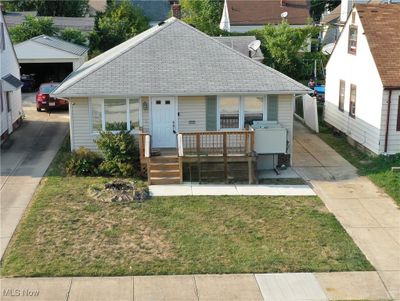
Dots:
{"x": 44, "y": 101}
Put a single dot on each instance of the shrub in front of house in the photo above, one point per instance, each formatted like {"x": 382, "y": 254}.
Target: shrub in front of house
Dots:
{"x": 120, "y": 152}
{"x": 83, "y": 162}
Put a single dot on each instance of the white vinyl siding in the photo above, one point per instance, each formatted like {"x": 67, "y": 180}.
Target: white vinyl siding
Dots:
{"x": 285, "y": 116}
{"x": 394, "y": 135}
{"x": 80, "y": 124}
{"x": 192, "y": 113}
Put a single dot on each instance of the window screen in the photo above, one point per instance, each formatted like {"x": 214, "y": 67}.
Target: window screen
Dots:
{"x": 115, "y": 114}
{"x": 342, "y": 89}
{"x": 353, "y": 96}
{"x": 272, "y": 108}
{"x": 253, "y": 109}
{"x": 97, "y": 108}
{"x": 134, "y": 113}
{"x": 229, "y": 112}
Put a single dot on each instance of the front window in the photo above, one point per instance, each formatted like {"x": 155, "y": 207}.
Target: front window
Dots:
{"x": 253, "y": 110}
{"x": 352, "y": 47}
{"x": 229, "y": 112}
{"x": 353, "y": 96}
{"x": 341, "y": 95}
{"x": 134, "y": 113}
{"x": 115, "y": 115}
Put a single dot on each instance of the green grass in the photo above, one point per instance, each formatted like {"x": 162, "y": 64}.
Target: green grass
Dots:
{"x": 377, "y": 168}
{"x": 67, "y": 233}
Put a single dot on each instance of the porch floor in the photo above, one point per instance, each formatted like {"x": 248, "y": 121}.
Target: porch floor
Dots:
{"x": 231, "y": 189}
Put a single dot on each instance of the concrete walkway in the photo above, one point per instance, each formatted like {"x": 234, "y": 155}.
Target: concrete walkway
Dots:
{"x": 231, "y": 189}
{"x": 24, "y": 159}
{"x": 368, "y": 214}
{"x": 246, "y": 287}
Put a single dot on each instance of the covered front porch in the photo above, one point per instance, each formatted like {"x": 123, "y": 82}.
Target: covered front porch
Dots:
{"x": 201, "y": 157}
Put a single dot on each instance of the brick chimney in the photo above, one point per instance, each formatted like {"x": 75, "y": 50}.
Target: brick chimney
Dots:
{"x": 176, "y": 10}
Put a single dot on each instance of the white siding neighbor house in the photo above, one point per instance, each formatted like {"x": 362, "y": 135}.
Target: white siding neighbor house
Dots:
{"x": 191, "y": 100}
{"x": 363, "y": 79}
{"x": 10, "y": 84}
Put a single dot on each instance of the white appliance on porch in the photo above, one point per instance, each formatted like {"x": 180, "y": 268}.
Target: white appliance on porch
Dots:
{"x": 271, "y": 139}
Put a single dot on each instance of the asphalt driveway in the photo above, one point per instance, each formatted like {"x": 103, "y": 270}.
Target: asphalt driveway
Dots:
{"x": 25, "y": 157}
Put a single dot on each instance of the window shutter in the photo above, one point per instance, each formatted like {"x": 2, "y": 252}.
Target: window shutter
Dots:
{"x": 211, "y": 113}
{"x": 272, "y": 108}
{"x": 398, "y": 115}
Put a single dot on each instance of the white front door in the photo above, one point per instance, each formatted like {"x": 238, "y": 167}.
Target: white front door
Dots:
{"x": 163, "y": 122}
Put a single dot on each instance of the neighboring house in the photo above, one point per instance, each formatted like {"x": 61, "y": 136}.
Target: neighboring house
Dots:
{"x": 241, "y": 43}
{"x": 363, "y": 79}
{"x": 246, "y": 15}
{"x": 190, "y": 99}
{"x": 85, "y": 24}
{"x": 10, "y": 84}
{"x": 49, "y": 58}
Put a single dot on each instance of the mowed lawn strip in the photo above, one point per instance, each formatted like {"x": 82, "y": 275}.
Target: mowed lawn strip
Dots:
{"x": 67, "y": 233}
{"x": 377, "y": 168}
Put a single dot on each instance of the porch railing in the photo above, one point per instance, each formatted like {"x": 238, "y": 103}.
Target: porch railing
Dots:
{"x": 214, "y": 143}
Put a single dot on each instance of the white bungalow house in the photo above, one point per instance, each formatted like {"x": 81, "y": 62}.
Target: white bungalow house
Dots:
{"x": 199, "y": 108}
{"x": 10, "y": 84}
{"x": 363, "y": 79}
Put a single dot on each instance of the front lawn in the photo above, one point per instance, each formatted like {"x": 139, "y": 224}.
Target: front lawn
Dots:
{"x": 67, "y": 233}
{"x": 378, "y": 168}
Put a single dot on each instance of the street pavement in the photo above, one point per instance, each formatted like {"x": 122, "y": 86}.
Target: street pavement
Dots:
{"x": 25, "y": 157}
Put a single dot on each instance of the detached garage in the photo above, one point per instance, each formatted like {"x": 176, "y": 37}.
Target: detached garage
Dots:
{"x": 49, "y": 59}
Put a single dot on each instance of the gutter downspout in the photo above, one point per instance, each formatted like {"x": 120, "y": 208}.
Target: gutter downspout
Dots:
{"x": 387, "y": 121}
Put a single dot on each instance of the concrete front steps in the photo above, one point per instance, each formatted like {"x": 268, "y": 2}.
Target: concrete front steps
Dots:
{"x": 164, "y": 170}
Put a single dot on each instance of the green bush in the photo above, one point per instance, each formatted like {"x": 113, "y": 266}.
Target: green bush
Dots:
{"x": 83, "y": 162}
{"x": 121, "y": 154}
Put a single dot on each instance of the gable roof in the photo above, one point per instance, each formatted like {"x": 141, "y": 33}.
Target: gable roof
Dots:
{"x": 155, "y": 10}
{"x": 381, "y": 23}
{"x": 174, "y": 59}
{"x": 60, "y": 44}
{"x": 241, "y": 43}
{"x": 261, "y": 12}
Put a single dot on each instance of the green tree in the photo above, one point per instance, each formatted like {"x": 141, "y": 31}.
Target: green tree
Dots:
{"x": 317, "y": 7}
{"x": 117, "y": 24}
{"x": 32, "y": 27}
{"x": 73, "y": 35}
{"x": 64, "y": 8}
{"x": 282, "y": 46}
{"x": 205, "y": 15}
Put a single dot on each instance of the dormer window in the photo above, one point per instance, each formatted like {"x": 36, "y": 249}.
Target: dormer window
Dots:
{"x": 352, "y": 39}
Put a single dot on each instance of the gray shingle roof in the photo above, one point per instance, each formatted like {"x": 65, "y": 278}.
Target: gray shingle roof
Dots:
{"x": 60, "y": 44}
{"x": 174, "y": 59}
{"x": 240, "y": 43}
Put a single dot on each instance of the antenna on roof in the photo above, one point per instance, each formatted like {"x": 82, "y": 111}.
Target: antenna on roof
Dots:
{"x": 284, "y": 15}
{"x": 253, "y": 47}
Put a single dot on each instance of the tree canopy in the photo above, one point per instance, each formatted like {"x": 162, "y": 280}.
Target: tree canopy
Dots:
{"x": 32, "y": 27}
{"x": 73, "y": 35}
{"x": 120, "y": 22}
{"x": 205, "y": 15}
{"x": 283, "y": 46}
{"x": 64, "y": 8}
{"x": 317, "y": 7}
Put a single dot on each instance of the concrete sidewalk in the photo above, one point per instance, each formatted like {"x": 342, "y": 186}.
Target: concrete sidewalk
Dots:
{"x": 368, "y": 214}
{"x": 231, "y": 189}
{"x": 25, "y": 157}
{"x": 246, "y": 287}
